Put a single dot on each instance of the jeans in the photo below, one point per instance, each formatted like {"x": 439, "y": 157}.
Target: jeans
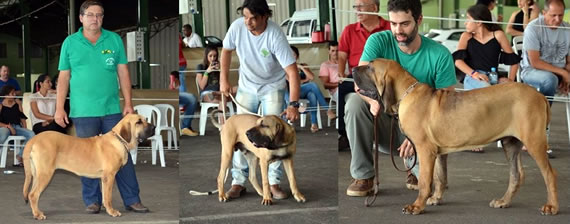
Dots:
{"x": 470, "y": 83}
{"x": 359, "y": 129}
{"x": 311, "y": 92}
{"x": 126, "y": 177}
{"x": 182, "y": 78}
{"x": 544, "y": 81}
{"x": 20, "y": 131}
{"x": 344, "y": 89}
{"x": 188, "y": 101}
{"x": 271, "y": 104}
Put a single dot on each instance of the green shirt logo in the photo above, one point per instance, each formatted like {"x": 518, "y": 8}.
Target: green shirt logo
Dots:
{"x": 264, "y": 52}
{"x": 110, "y": 61}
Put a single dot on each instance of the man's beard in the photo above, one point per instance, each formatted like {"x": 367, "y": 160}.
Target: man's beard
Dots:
{"x": 409, "y": 38}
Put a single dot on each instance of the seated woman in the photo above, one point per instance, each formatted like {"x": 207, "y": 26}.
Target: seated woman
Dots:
{"x": 528, "y": 12}
{"x": 187, "y": 101}
{"x": 12, "y": 118}
{"x": 209, "y": 81}
{"x": 481, "y": 48}
{"x": 309, "y": 90}
{"x": 42, "y": 104}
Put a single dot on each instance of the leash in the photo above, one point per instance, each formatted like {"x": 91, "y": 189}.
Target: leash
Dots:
{"x": 122, "y": 140}
{"x": 391, "y": 147}
{"x": 370, "y": 199}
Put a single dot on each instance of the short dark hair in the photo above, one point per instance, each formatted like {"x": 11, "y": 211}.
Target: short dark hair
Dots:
{"x": 295, "y": 50}
{"x": 187, "y": 26}
{"x": 176, "y": 74}
{"x": 485, "y": 2}
{"x": 413, "y": 6}
{"x": 89, "y": 3}
{"x": 6, "y": 89}
{"x": 332, "y": 43}
{"x": 549, "y": 2}
{"x": 481, "y": 12}
{"x": 256, "y": 7}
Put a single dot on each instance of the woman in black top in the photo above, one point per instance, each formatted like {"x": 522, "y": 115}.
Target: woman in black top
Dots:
{"x": 528, "y": 11}
{"x": 12, "y": 118}
{"x": 481, "y": 48}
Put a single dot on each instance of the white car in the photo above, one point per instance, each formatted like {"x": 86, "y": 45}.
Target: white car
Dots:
{"x": 449, "y": 38}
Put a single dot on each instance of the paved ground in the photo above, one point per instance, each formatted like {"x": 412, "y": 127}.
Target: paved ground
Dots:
{"x": 61, "y": 201}
{"x": 315, "y": 167}
{"x": 474, "y": 180}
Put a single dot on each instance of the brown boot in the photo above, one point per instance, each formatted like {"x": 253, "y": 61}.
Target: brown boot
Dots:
{"x": 360, "y": 187}
{"x": 412, "y": 181}
{"x": 277, "y": 192}
{"x": 137, "y": 207}
{"x": 236, "y": 191}
{"x": 93, "y": 208}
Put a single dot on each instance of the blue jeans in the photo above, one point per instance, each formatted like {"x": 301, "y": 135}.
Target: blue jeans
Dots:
{"x": 126, "y": 177}
{"x": 271, "y": 104}
{"x": 182, "y": 79}
{"x": 20, "y": 131}
{"x": 544, "y": 81}
{"x": 311, "y": 92}
{"x": 470, "y": 83}
{"x": 188, "y": 101}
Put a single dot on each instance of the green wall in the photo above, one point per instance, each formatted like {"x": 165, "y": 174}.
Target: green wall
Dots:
{"x": 16, "y": 64}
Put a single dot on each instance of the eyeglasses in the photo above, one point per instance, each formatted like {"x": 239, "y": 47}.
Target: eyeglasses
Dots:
{"x": 91, "y": 16}
{"x": 360, "y": 6}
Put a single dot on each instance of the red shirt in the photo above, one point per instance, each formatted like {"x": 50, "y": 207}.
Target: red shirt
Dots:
{"x": 354, "y": 37}
{"x": 181, "y": 59}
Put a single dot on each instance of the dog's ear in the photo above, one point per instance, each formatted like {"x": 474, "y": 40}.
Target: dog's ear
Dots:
{"x": 126, "y": 132}
{"x": 385, "y": 88}
{"x": 278, "y": 138}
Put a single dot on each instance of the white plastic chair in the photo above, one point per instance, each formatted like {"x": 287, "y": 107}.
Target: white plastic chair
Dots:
{"x": 16, "y": 146}
{"x": 151, "y": 113}
{"x": 204, "y": 106}
{"x": 331, "y": 101}
{"x": 517, "y": 46}
{"x": 168, "y": 110}
{"x": 303, "y": 116}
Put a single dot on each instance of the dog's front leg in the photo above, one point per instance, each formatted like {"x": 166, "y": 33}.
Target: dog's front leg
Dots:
{"x": 426, "y": 155}
{"x": 288, "y": 164}
{"x": 264, "y": 166}
{"x": 440, "y": 180}
{"x": 107, "y": 181}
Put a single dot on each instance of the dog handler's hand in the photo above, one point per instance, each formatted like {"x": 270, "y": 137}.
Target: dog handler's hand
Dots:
{"x": 60, "y": 118}
{"x": 128, "y": 110}
{"x": 406, "y": 149}
{"x": 224, "y": 88}
{"x": 292, "y": 113}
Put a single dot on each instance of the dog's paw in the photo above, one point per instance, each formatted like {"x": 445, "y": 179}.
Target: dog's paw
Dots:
{"x": 266, "y": 201}
{"x": 499, "y": 203}
{"x": 40, "y": 216}
{"x": 411, "y": 209}
{"x": 548, "y": 210}
{"x": 433, "y": 201}
{"x": 113, "y": 212}
{"x": 299, "y": 197}
{"x": 223, "y": 198}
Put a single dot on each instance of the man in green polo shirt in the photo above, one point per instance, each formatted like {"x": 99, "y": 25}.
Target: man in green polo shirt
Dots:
{"x": 428, "y": 61}
{"x": 89, "y": 64}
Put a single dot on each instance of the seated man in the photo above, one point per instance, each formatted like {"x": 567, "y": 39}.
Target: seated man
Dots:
{"x": 329, "y": 75}
{"x": 545, "y": 63}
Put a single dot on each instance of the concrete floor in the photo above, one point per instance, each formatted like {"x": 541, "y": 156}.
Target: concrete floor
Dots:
{"x": 474, "y": 180}
{"x": 61, "y": 201}
{"x": 315, "y": 166}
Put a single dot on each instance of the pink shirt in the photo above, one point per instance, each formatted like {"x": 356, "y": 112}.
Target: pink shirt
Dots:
{"x": 331, "y": 70}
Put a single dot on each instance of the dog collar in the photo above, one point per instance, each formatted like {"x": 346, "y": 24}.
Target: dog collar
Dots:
{"x": 408, "y": 91}
{"x": 122, "y": 140}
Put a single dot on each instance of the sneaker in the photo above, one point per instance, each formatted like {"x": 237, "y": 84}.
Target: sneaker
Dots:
{"x": 93, "y": 208}
{"x": 277, "y": 193}
{"x": 412, "y": 181}
{"x": 360, "y": 187}
{"x": 188, "y": 132}
{"x": 137, "y": 207}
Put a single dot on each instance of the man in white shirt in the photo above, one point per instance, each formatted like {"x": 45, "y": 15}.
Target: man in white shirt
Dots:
{"x": 191, "y": 40}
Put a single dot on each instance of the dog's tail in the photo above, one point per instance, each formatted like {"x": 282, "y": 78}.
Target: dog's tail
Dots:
{"x": 214, "y": 119}
{"x": 27, "y": 169}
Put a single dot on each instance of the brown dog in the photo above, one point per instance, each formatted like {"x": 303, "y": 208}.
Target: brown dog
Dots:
{"x": 95, "y": 157}
{"x": 261, "y": 139}
{"x": 514, "y": 113}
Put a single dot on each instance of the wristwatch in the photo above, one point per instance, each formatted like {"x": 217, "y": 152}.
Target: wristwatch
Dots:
{"x": 294, "y": 104}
